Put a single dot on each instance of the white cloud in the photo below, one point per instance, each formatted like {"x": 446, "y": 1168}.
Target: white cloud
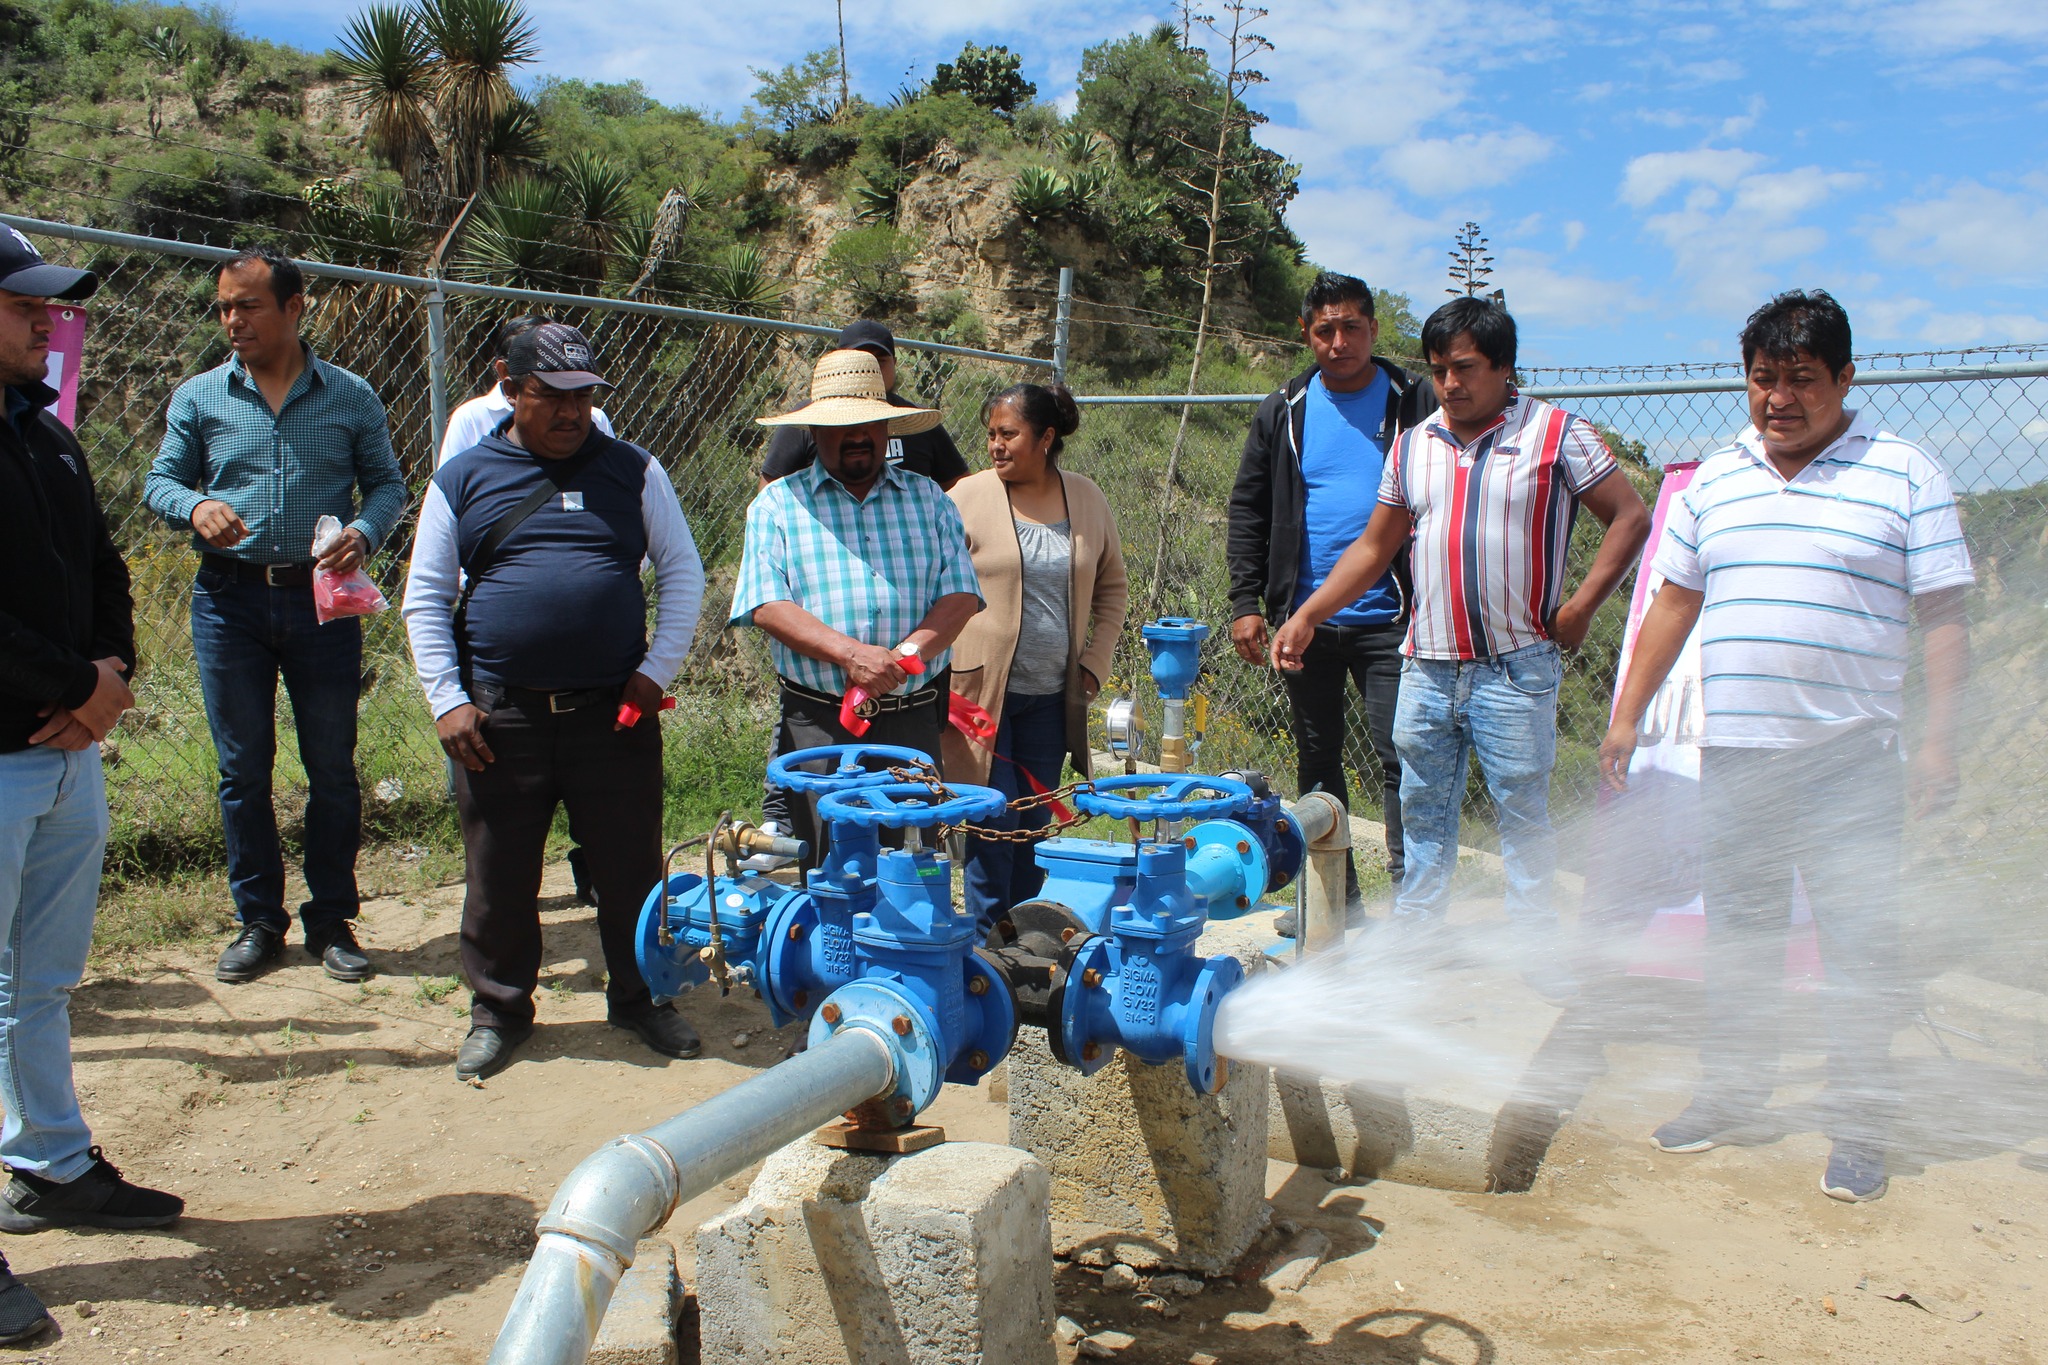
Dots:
{"x": 1540, "y": 293}
{"x": 1574, "y": 233}
{"x": 1970, "y": 230}
{"x": 1734, "y": 236}
{"x": 1651, "y": 176}
{"x": 1972, "y": 329}
{"x": 1438, "y": 167}
{"x": 1714, "y": 71}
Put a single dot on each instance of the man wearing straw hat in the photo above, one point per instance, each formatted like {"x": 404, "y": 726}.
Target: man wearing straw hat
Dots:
{"x": 855, "y": 567}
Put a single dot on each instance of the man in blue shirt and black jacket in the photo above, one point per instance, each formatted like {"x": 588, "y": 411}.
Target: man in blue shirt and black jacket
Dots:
{"x": 1306, "y": 485}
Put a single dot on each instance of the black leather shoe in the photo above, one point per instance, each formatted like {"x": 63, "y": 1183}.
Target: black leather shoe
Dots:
{"x": 339, "y": 954}
{"x": 98, "y": 1199}
{"x": 487, "y": 1051}
{"x": 662, "y": 1029}
{"x": 22, "y": 1314}
{"x": 579, "y": 873}
{"x": 244, "y": 959}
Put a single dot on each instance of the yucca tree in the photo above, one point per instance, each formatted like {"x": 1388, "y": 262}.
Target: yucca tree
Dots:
{"x": 601, "y": 203}
{"x": 512, "y": 238}
{"x": 517, "y": 143}
{"x": 476, "y": 45}
{"x": 387, "y": 64}
{"x": 741, "y": 280}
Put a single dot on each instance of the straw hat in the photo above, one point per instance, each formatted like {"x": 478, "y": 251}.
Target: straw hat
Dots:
{"x": 847, "y": 391}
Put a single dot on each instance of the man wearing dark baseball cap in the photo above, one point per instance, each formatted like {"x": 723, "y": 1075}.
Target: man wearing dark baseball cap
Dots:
{"x": 67, "y": 633}
{"x": 529, "y": 630}
{"x": 930, "y": 453}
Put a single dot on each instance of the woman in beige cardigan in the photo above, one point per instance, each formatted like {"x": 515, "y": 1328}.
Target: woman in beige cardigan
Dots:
{"x": 1052, "y": 572}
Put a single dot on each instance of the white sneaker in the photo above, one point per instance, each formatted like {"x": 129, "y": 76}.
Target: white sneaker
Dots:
{"x": 766, "y": 862}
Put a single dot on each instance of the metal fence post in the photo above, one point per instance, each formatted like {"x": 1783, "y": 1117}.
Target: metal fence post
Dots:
{"x": 1061, "y": 319}
{"x": 437, "y": 363}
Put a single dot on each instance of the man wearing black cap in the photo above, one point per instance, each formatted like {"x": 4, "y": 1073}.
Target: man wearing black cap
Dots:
{"x": 67, "y": 638}
{"x": 930, "y": 453}
{"x": 529, "y": 630}
{"x": 255, "y": 452}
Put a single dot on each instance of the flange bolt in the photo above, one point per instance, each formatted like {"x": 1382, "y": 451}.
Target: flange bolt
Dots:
{"x": 1091, "y": 978}
{"x": 977, "y": 985}
{"x": 830, "y": 1012}
{"x": 901, "y": 1023}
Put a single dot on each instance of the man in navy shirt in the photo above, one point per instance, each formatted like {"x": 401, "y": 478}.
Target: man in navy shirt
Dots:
{"x": 1306, "y": 485}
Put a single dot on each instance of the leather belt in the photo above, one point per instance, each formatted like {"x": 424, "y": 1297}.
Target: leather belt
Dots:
{"x": 874, "y": 706}
{"x": 245, "y": 571}
{"x": 530, "y": 699}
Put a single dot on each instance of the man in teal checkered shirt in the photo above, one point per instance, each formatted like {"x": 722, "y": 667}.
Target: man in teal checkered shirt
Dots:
{"x": 254, "y": 453}
{"x": 851, "y": 566}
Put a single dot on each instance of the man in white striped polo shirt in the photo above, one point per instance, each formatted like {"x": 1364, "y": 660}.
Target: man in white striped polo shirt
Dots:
{"x": 1802, "y": 552}
{"x": 1489, "y": 489}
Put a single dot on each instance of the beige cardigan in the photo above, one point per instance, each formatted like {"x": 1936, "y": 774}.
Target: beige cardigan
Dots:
{"x": 1098, "y": 596}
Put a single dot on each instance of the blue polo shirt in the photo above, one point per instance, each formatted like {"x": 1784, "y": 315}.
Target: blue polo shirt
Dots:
{"x": 1341, "y": 460}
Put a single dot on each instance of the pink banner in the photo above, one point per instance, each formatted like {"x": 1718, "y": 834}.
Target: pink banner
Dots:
{"x": 67, "y": 345}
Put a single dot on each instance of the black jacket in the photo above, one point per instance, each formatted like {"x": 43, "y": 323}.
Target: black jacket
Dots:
{"x": 1268, "y": 507}
{"x": 63, "y": 588}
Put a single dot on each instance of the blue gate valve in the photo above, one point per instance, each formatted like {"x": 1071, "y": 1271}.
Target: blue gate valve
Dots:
{"x": 1141, "y": 987}
{"x": 945, "y": 1012}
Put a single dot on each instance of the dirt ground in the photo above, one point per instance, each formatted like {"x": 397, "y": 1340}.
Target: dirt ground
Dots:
{"x": 351, "y": 1201}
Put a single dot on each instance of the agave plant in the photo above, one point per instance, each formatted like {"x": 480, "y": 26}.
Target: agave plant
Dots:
{"x": 1082, "y": 147}
{"x": 1041, "y": 192}
{"x": 512, "y": 239}
{"x": 740, "y": 280}
{"x": 387, "y": 65}
{"x": 879, "y": 198}
{"x": 169, "y": 48}
{"x": 1088, "y": 187}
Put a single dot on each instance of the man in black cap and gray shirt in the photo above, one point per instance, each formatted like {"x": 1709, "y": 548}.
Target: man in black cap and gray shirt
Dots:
{"x": 930, "y": 453}
{"x": 529, "y": 630}
{"x": 67, "y": 640}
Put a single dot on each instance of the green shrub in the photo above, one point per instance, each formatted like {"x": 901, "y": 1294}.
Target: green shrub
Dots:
{"x": 866, "y": 264}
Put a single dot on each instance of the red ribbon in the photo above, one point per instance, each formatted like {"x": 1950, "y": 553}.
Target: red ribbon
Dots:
{"x": 972, "y": 719}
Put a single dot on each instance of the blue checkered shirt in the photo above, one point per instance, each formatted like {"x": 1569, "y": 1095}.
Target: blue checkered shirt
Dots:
{"x": 282, "y": 471}
{"x": 870, "y": 568}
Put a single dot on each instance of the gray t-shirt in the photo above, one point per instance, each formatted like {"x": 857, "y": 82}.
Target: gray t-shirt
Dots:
{"x": 1039, "y": 667}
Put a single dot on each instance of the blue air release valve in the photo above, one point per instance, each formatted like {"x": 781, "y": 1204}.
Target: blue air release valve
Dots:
{"x": 945, "y": 1013}
{"x": 1141, "y": 987}
{"x": 1176, "y": 645}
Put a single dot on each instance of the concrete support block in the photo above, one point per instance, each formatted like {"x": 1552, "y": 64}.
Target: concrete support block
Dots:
{"x": 1484, "y": 1129}
{"x": 1144, "y": 1170}
{"x": 640, "y": 1326}
{"x": 847, "y": 1258}
{"x": 2013, "y": 1022}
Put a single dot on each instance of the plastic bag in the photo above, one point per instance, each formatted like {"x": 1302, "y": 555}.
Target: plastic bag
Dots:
{"x": 340, "y": 594}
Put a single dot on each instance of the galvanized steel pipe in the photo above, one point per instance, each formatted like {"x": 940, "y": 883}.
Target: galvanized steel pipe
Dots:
{"x": 628, "y": 1188}
{"x": 1319, "y": 921}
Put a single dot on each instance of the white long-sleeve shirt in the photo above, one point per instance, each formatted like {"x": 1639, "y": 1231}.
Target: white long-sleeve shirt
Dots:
{"x": 434, "y": 582}
{"x": 484, "y": 414}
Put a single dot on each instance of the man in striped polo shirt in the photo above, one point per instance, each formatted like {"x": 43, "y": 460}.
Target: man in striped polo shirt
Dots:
{"x": 1489, "y": 490}
{"x": 1802, "y": 552}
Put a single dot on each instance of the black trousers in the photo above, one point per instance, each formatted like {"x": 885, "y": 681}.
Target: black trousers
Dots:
{"x": 808, "y": 724}
{"x": 1835, "y": 813}
{"x": 610, "y": 781}
{"x": 1370, "y": 657}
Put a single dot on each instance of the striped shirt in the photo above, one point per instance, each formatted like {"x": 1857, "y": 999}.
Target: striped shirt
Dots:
{"x": 282, "y": 471}
{"x": 1808, "y": 583}
{"x": 1492, "y": 522}
{"x": 867, "y": 567}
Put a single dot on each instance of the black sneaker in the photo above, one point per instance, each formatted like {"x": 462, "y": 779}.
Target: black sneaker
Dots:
{"x": 98, "y": 1199}
{"x": 1701, "y": 1128}
{"x": 22, "y": 1314}
{"x": 1855, "y": 1173}
{"x": 244, "y": 958}
{"x": 487, "y": 1051}
{"x": 339, "y": 954}
{"x": 662, "y": 1029}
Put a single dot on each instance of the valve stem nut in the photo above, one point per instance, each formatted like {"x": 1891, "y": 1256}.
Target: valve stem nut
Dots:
{"x": 901, "y": 1023}
{"x": 830, "y": 1013}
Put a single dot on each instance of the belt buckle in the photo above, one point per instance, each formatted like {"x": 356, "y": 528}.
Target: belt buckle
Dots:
{"x": 868, "y": 709}
{"x": 555, "y": 708}
{"x": 270, "y": 575}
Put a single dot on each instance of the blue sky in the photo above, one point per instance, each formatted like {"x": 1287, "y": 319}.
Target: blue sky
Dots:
{"x": 1648, "y": 170}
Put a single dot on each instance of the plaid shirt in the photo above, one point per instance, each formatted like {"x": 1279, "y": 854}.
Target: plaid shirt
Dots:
{"x": 282, "y": 471}
{"x": 870, "y": 568}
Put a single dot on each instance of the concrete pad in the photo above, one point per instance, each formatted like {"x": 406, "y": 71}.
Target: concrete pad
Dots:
{"x": 640, "y": 1326}
{"x": 846, "y": 1258}
{"x": 1144, "y": 1170}
{"x": 2013, "y": 1022}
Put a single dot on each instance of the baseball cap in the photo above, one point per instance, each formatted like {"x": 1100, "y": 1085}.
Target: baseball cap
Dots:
{"x": 556, "y": 354}
{"x": 24, "y": 271}
{"x": 866, "y": 335}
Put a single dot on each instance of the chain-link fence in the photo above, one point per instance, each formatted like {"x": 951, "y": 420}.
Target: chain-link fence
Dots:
{"x": 689, "y": 385}
{"x": 1983, "y": 413}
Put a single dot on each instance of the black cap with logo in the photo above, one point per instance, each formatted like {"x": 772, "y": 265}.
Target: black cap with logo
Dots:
{"x": 556, "y": 354}
{"x": 866, "y": 335}
{"x": 24, "y": 271}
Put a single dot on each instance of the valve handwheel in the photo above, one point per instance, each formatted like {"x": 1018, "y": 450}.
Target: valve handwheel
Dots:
{"x": 1171, "y": 797}
{"x": 849, "y": 767}
{"x": 909, "y": 805}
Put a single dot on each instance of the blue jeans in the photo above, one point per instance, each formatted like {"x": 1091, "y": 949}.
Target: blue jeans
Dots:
{"x": 1032, "y": 735}
{"x": 247, "y": 635}
{"x": 1505, "y": 711}
{"x": 53, "y": 832}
